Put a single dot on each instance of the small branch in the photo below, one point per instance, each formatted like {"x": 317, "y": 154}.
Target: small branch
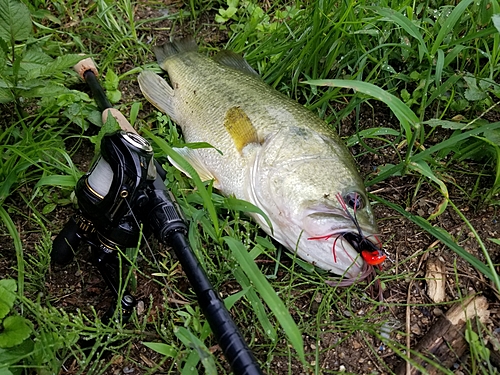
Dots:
{"x": 445, "y": 342}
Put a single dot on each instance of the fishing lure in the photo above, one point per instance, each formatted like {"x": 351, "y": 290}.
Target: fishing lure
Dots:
{"x": 371, "y": 253}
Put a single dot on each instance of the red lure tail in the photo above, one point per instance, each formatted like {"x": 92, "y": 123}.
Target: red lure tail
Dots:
{"x": 326, "y": 238}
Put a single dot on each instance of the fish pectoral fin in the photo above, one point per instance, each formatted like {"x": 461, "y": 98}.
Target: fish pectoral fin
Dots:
{"x": 194, "y": 159}
{"x": 157, "y": 92}
{"x": 235, "y": 61}
{"x": 240, "y": 128}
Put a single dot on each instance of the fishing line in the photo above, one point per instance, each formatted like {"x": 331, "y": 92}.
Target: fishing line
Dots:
{"x": 101, "y": 177}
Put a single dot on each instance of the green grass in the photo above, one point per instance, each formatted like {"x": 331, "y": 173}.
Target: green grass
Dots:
{"x": 433, "y": 64}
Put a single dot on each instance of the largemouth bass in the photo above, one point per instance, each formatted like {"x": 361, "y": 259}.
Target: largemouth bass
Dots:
{"x": 276, "y": 155}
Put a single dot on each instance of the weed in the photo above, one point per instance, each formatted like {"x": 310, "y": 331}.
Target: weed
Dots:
{"x": 16, "y": 330}
{"x": 26, "y": 70}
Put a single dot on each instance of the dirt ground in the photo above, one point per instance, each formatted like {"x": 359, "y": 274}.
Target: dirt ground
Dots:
{"x": 79, "y": 286}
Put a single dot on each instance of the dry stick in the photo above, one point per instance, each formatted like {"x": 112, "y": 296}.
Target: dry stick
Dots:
{"x": 445, "y": 341}
{"x": 435, "y": 277}
{"x": 408, "y": 316}
{"x": 408, "y": 329}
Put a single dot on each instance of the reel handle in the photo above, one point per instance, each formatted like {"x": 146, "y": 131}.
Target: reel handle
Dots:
{"x": 65, "y": 244}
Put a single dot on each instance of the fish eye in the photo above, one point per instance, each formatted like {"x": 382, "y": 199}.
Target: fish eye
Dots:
{"x": 354, "y": 200}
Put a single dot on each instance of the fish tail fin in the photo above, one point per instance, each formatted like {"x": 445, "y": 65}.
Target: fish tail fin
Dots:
{"x": 157, "y": 92}
{"x": 167, "y": 50}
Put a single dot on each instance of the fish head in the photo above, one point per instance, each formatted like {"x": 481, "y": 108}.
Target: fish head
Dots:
{"x": 316, "y": 201}
{"x": 342, "y": 236}
{"x": 339, "y": 235}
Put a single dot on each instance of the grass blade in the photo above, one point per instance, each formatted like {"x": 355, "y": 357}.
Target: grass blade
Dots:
{"x": 496, "y": 147}
{"x": 406, "y": 24}
{"x": 257, "y": 305}
{"x": 443, "y": 88}
{"x": 11, "y": 227}
{"x": 57, "y": 180}
{"x": 423, "y": 168}
{"x": 441, "y": 235}
{"x": 207, "y": 201}
{"x": 404, "y": 114}
{"x": 439, "y": 67}
{"x": 244, "y": 206}
{"x": 203, "y": 354}
{"x": 268, "y": 294}
{"x": 452, "y": 55}
{"x": 164, "y": 349}
{"x": 494, "y": 275}
{"x": 370, "y": 133}
{"x": 449, "y": 23}
{"x": 450, "y": 142}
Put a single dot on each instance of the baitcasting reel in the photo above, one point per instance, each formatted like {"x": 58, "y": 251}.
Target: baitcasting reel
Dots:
{"x": 121, "y": 191}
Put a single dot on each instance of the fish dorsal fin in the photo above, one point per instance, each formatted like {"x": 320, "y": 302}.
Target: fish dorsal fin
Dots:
{"x": 235, "y": 61}
{"x": 167, "y": 50}
{"x": 240, "y": 128}
{"x": 157, "y": 92}
{"x": 195, "y": 160}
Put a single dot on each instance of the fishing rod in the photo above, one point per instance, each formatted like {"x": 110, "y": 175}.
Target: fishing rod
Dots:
{"x": 124, "y": 189}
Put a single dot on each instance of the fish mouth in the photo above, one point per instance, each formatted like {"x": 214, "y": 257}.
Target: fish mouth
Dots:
{"x": 346, "y": 253}
{"x": 368, "y": 250}
{"x": 353, "y": 255}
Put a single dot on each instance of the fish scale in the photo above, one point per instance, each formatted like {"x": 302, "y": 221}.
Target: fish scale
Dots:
{"x": 275, "y": 153}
